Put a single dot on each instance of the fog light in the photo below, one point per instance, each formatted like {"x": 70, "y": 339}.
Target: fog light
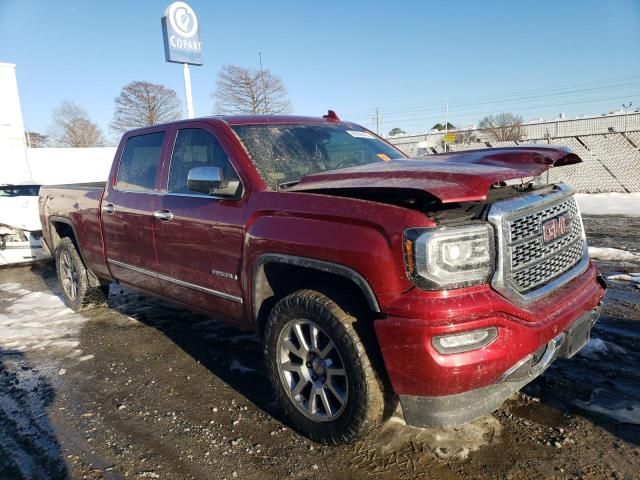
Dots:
{"x": 463, "y": 342}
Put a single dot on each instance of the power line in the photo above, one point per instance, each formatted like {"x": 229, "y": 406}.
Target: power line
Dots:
{"x": 541, "y": 92}
{"x": 516, "y": 100}
{"x": 475, "y": 114}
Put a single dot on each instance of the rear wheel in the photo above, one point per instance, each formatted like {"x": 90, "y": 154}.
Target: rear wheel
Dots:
{"x": 321, "y": 373}
{"x": 73, "y": 278}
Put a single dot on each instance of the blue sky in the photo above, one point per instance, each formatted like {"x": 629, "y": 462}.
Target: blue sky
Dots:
{"x": 534, "y": 58}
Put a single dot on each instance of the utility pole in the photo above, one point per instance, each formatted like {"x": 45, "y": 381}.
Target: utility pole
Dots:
{"x": 377, "y": 119}
{"x": 446, "y": 124}
{"x": 264, "y": 89}
{"x": 626, "y": 107}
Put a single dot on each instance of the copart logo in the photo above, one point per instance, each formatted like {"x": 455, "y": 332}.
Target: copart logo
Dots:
{"x": 183, "y": 19}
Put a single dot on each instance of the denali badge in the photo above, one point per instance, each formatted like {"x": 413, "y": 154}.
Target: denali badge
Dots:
{"x": 230, "y": 276}
{"x": 556, "y": 227}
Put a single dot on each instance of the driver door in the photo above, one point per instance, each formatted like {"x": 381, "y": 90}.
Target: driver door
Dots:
{"x": 199, "y": 237}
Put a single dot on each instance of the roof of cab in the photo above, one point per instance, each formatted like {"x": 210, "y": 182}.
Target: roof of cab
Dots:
{"x": 270, "y": 119}
{"x": 233, "y": 120}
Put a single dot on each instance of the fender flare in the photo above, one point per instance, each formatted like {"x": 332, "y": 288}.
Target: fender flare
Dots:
{"x": 314, "y": 264}
{"x": 93, "y": 279}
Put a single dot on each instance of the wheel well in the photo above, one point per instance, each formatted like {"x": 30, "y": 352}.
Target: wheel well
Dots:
{"x": 275, "y": 280}
{"x": 60, "y": 230}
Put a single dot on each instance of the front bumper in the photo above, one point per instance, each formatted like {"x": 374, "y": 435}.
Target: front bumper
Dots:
{"x": 437, "y": 388}
{"x": 467, "y": 406}
{"x": 23, "y": 251}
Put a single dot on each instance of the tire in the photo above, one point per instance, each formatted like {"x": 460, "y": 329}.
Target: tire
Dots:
{"x": 353, "y": 403}
{"x": 73, "y": 279}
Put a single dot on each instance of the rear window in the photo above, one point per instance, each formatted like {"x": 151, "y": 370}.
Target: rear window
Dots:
{"x": 139, "y": 162}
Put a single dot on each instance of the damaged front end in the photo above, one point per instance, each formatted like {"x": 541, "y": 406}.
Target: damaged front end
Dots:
{"x": 19, "y": 246}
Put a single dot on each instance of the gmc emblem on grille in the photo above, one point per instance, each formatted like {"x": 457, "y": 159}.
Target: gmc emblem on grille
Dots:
{"x": 556, "y": 227}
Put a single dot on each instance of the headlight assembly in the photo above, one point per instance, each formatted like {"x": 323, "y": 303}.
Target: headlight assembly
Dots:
{"x": 449, "y": 257}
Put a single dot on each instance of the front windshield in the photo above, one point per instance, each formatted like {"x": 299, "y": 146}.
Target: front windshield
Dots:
{"x": 19, "y": 190}
{"x": 284, "y": 153}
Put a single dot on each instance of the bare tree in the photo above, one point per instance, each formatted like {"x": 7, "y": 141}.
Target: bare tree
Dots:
{"x": 502, "y": 127}
{"x": 35, "y": 139}
{"x": 72, "y": 127}
{"x": 242, "y": 90}
{"x": 141, "y": 104}
{"x": 465, "y": 136}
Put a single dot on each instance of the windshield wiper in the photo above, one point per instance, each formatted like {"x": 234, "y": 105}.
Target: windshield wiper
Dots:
{"x": 289, "y": 183}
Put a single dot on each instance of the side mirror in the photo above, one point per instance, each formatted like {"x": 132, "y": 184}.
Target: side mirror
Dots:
{"x": 208, "y": 180}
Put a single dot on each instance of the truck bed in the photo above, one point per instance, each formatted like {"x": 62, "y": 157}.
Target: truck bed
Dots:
{"x": 75, "y": 206}
{"x": 78, "y": 186}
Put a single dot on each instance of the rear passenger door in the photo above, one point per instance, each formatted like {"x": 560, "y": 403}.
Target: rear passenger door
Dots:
{"x": 127, "y": 211}
{"x": 199, "y": 237}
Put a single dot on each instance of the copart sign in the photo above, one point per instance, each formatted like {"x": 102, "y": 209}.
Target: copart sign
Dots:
{"x": 181, "y": 34}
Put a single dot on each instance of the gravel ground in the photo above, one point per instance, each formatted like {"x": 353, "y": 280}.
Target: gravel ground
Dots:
{"x": 144, "y": 389}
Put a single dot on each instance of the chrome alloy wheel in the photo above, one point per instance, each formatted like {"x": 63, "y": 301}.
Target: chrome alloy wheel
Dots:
{"x": 68, "y": 275}
{"x": 312, "y": 370}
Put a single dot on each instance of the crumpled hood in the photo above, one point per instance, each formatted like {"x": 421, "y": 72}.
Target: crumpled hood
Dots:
{"x": 452, "y": 177}
{"x": 20, "y": 212}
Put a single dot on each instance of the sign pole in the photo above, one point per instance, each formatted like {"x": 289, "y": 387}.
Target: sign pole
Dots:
{"x": 187, "y": 89}
{"x": 181, "y": 37}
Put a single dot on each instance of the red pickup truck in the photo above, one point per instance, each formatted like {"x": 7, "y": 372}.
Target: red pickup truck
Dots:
{"x": 370, "y": 277}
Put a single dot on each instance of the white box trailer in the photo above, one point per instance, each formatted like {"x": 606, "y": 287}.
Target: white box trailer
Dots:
{"x": 20, "y": 229}
{"x": 14, "y": 164}
{"x": 23, "y": 170}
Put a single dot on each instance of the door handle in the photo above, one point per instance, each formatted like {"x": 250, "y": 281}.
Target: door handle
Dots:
{"x": 163, "y": 215}
{"x": 109, "y": 208}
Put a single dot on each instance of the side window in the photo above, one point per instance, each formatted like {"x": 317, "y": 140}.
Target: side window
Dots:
{"x": 139, "y": 162}
{"x": 196, "y": 147}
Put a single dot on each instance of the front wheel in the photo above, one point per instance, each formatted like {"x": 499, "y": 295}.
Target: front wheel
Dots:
{"x": 321, "y": 373}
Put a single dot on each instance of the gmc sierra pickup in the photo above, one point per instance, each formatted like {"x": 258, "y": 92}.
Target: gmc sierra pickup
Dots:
{"x": 370, "y": 277}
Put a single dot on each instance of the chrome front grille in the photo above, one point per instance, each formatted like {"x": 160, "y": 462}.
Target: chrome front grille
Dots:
{"x": 528, "y": 266}
{"x": 531, "y": 224}
{"x": 541, "y": 272}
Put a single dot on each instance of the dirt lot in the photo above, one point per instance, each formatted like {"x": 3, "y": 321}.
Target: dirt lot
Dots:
{"x": 146, "y": 390}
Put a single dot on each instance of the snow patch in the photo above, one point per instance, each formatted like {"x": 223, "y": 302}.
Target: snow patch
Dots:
{"x": 11, "y": 287}
{"x": 613, "y": 254}
{"x": 444, "y": 442}
{"x": 609, "y": 204}
{"x": 604, "y": 402}
{"x": 623, "y": 415}
{"x": 37, "y": 321}
{"x": 594, "y": 348}
{"x": 626, "y": 277}
{"x": 236, "y": 365}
